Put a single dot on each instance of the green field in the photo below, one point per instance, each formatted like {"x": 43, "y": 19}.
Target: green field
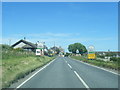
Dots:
{"x": 107, "y": 64}
{"x": 17, "y": 64}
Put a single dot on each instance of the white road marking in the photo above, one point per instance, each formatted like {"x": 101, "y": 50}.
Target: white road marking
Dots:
{"x": 69, "y": 65}
{"x": 82, "y": 80}
{"x": 97, "y": 67}
{"x": 66, "y": 61}
{"x": 34, "y": 75}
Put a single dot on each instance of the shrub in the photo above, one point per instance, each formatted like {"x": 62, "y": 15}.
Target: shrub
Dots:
{"x": 67, "y": 54}
{"x": 6, "y": 47}
{"x": 101, "y": 56}
{"x": 114, "y": 59}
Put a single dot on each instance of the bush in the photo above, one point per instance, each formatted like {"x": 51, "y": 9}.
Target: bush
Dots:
{"x": 101, "y": 56}
{"x": 5, "y": 47}
{"x": 8, "y": 52}
{"x": 114, "y": 59}
{"x": 67, "y": 54}
{"x": 112, "y": 65}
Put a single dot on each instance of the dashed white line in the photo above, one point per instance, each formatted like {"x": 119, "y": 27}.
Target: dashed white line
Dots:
{"x": 33, "y": 75}
{"x": 69, "y": 65}
{"x": 66, "y": 61}
{"x": 82, "y": 80}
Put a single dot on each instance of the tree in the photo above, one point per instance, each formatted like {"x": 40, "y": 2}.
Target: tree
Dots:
{"x": 73, "y": 47}
{"x": 56, "y": 49}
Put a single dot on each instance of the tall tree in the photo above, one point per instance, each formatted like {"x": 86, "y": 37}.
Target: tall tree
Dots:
{"x": 77, "y": 46}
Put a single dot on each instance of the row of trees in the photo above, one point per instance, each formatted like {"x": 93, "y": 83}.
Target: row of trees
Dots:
{"x": 77, "y": 47}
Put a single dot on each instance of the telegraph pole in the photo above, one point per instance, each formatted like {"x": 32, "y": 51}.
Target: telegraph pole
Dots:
{"x": 9, "y": 42}
{"x": 54, "y": 47}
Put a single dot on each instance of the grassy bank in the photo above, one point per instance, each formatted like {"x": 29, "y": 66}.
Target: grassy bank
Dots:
{"x": 17, "y": 63}
{"x": 107, "y": 64}
{"x": 14, "y": 69}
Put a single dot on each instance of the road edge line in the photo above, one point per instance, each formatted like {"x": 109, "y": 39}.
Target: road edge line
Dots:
{"x": 34, "y": 74}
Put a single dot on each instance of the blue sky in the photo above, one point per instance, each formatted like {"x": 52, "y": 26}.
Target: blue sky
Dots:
{"x": 63, "y": 23}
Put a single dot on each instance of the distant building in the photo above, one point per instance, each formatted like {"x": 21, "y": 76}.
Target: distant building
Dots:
{"x": 61, "y": 49}
{"x": 27, "y": 45}
{"x": 56, "y": 50}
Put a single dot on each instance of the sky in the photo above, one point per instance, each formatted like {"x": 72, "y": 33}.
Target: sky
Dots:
{"x": 62, "y": 23}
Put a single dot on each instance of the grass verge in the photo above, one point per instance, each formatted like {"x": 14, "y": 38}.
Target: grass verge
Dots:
{"x": 16, "y": 68}
{"x": 107, "y": 64}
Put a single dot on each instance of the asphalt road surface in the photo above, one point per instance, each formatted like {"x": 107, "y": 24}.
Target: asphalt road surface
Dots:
{"x": 65, "y": 72}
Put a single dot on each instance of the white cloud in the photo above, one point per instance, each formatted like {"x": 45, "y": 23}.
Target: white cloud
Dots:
{"x": 90, "y": 39}
{"x": 52, "y": 34}
{"x": 48, "y": 34}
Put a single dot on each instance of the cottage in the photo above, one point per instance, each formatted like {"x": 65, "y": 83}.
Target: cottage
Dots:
{"x": 25, "y": 45}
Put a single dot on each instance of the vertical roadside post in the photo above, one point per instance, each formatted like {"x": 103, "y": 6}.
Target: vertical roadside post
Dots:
{"x": 77, "y": 52}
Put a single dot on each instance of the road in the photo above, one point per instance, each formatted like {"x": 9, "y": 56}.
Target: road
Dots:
{"x": 65, "y": 72}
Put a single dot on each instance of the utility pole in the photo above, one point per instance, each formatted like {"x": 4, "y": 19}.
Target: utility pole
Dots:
{"x": 43, "y": 48}
{"x": 54, "y": 47}
{"x": 9, "y": 42}
{"x": 54, "y": 43}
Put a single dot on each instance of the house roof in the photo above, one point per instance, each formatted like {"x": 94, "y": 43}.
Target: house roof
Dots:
{"x": 28, "y": 44}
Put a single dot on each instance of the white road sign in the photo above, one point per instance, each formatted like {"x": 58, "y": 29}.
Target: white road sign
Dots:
{"x": 77, "y": 51}
{"x": 38, "y": 52}
{"x": 91, "y": 48}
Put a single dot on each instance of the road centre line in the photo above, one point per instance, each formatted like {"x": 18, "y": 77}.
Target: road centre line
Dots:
{"x": 97, "y": 67}
{"x": 34, "y": 74}
{"x": 83, "y": 82}
{"x": 66, "y": 61}
{"x": 69, "y": 65}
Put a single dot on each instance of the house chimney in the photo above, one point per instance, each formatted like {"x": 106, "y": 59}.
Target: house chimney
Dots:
{"x": 24, "y": 38}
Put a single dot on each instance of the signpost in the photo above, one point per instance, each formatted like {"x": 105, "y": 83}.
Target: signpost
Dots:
{"x": 91, "y": 52}
{"x": 77, "y": 51}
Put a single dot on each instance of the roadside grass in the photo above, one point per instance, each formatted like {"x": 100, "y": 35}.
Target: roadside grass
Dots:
{"x": 17, "y": 63}
{"x": 0, "y": 75}
{"x": 107, "y": 64}
{"x": 0, "y": 67}
{"x": 16, "y": 68}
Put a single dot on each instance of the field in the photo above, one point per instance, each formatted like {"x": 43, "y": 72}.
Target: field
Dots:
{"x": 107, "y": 64}
{"x": 17, "y": 64}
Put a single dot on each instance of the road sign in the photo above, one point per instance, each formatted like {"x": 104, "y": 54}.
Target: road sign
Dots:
{"x": 91, "y": 52}
{"x": 91, "y": 56}
{"x": 91, "y": 49}
{"x": 38, "y": 52}
{"x": 77, "y": 51}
